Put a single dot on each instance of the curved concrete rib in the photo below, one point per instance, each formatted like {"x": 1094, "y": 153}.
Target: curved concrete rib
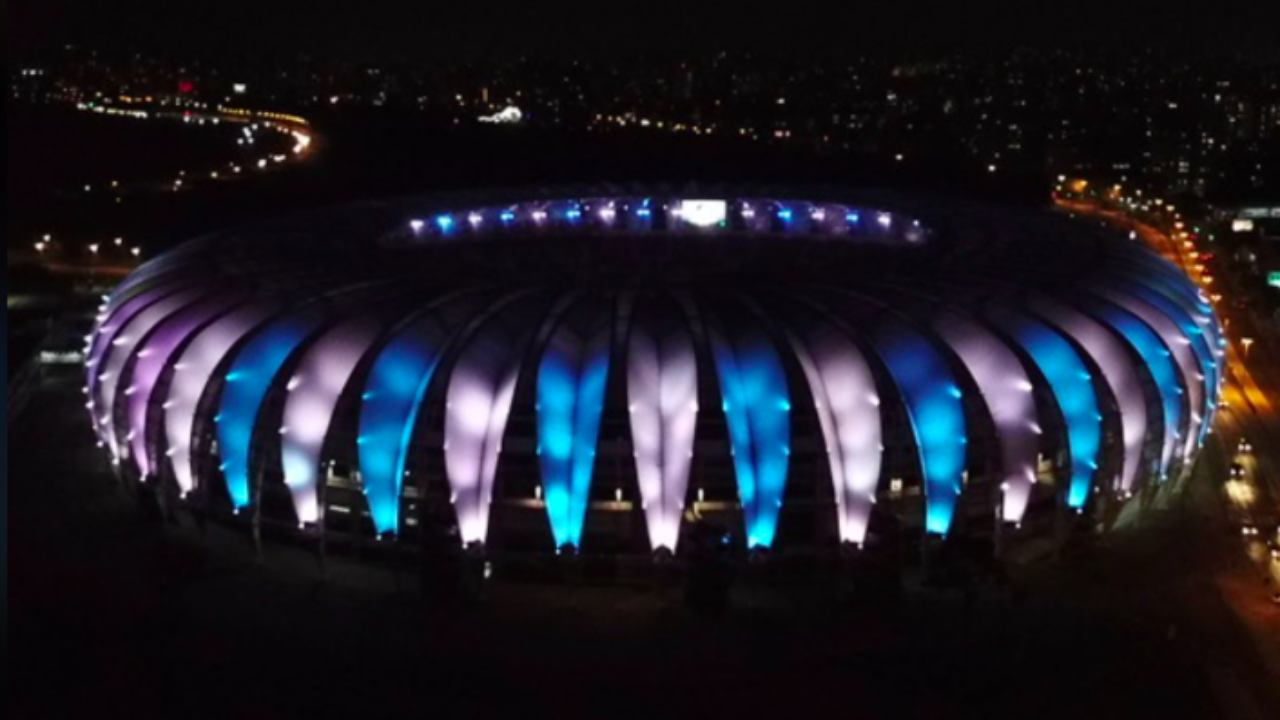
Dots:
{"x": 314, "y": 391}
{"x": 662, "y": 383}
{"x": 481, "y": 391}
{"x": 1009, "y": 397}
{"x": 1159, "y": 361}
{"x": 757, "y": 406}
{"x": 151, "y": 361}
{"x": 572, "y": 380}
{"x": 252, "y": 375}
{"x": 115, "y": 359}
{"x": 193, "y": 376}
{"x": 1073, "y": 391}
{"x": 1118, "y": 371}
{"x": 935, "y": 408}
{"x": 848, "y": 407}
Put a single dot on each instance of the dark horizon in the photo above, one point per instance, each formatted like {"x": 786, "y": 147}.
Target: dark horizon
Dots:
{"x": 396, "y": 30}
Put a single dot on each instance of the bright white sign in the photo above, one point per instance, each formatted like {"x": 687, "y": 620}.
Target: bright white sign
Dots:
{"x": 704, "y": 213}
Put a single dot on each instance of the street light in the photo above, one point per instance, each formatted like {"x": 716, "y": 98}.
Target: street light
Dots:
{"x": 94, "y": 249}
{"x": 1248, "y": 345}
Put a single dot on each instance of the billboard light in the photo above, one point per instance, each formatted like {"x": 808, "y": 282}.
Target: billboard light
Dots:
{"x": 704, "y": 213}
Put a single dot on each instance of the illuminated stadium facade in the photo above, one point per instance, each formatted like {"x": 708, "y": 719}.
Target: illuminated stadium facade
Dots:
{"x": 600, "y": 372}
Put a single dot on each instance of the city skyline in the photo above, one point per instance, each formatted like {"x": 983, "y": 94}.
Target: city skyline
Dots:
{"x": 1207, "y": 130}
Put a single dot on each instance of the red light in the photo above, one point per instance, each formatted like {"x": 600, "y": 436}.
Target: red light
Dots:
{"x": 186, "y": 87}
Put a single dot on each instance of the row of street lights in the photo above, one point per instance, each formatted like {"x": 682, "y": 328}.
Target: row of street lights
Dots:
{"x": 46, "y": 245}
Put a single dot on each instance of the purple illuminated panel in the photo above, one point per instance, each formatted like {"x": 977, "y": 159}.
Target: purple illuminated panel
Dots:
{"x": 662, "y": 384}
{"x": 1183, "y": 353}
{"x": 1117, "y": 367}
{"x": 481, "y": 392}
{"x": 115, "y": 360}
{"x": 314, "y": 392}
{"x": 848, "y": 405}
{"x": 192, "y": 375}
{"x": 109, "y": 324}
{"x": 152, "y": 360}
{"x": 1009, "y": 396}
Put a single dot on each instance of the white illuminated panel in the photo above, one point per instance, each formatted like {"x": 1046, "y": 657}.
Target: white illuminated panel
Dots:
{"x": 848, "y": 405}
{"x": 481, "y": 392}
{"x": 1009, "y": 396}
{"x": 1242, "y": 226}
{"x": 662, "y": 385}
{"x": 193, "y": 373}
{"x": 704, "y": 213}
{"x": 1120, "y": 374}
{"x": 314, "y": 391}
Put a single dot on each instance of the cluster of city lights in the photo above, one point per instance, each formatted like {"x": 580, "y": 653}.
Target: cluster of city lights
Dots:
{"x": 632, "y": 120}
{"x": 295, "y": 128}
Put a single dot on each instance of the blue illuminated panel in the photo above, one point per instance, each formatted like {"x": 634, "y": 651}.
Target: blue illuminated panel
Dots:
{"x": 1159, "y": 361}
{"x": 934, "y": 404}
{"x": 757, "y": 405}
{"x": 571, "y": 389}
{"x": 251, "y": 377}
{"x": 393, "y": 398}
{"x": 1073, "y": 389}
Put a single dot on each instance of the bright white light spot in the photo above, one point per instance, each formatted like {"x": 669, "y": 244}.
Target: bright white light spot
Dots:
{"x": 703, "y": 213}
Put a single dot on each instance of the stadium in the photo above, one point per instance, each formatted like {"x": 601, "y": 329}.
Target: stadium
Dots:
{"x": 600, "y": 370}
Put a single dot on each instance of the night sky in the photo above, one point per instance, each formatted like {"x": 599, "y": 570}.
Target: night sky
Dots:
{"x": 426, "y": 29}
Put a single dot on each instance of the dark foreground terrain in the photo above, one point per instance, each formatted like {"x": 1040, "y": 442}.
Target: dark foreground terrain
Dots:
{"x": 112, "y": 616}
